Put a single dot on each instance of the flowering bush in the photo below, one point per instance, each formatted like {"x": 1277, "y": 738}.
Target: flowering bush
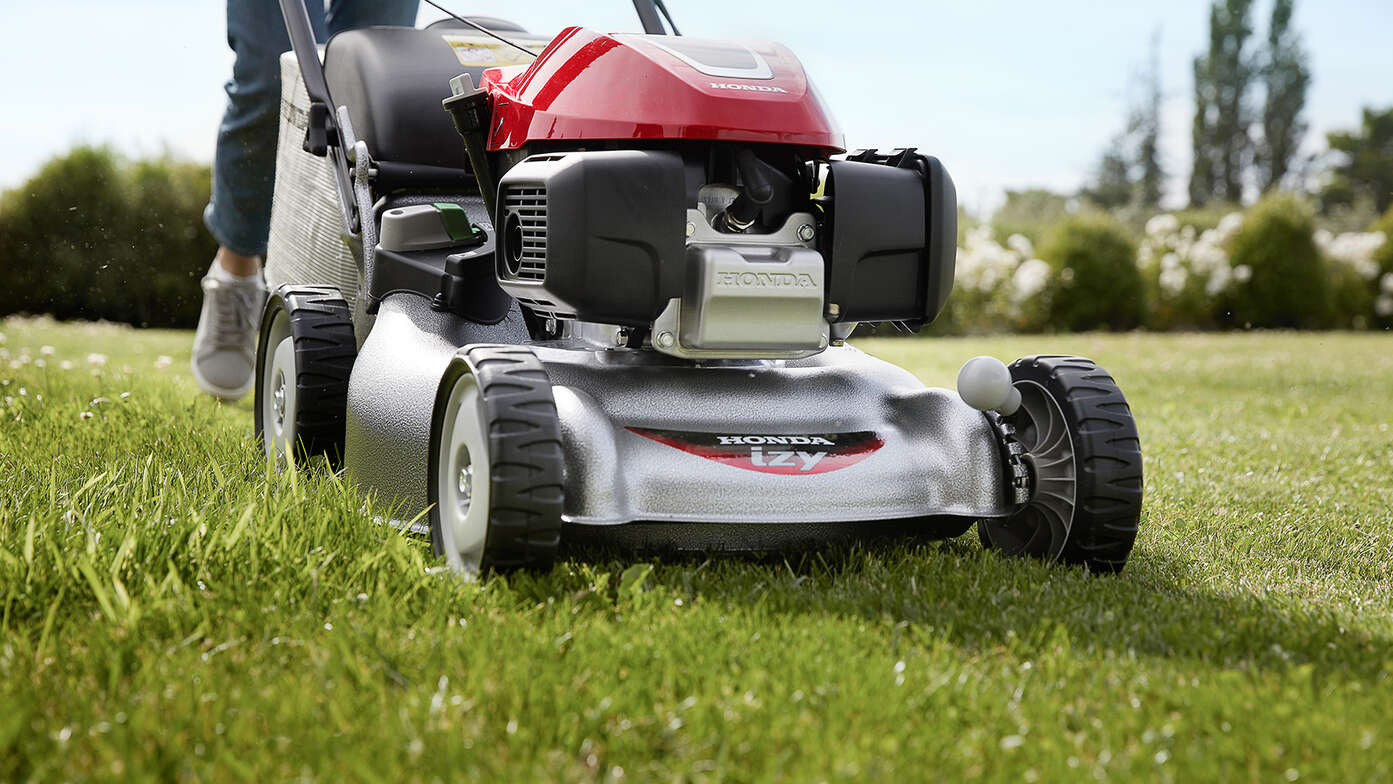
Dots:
{"x": 1383, "y": 303}
{"x": 1188, "y": 271}
{"x": 1197, "y": 270}
{"x": 1355, "y": 276}
{"x": 996, "y": 287}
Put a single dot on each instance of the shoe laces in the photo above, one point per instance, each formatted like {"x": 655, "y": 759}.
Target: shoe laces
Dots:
{"x": 235, "y": 310}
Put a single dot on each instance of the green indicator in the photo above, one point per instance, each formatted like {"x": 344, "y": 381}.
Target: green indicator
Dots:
{"x": 457, "y": 223}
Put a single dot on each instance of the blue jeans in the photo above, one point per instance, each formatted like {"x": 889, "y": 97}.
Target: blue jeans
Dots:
{"x": 244, "y": 165}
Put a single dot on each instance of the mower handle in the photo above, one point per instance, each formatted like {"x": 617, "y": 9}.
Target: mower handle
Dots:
{"x": 297, "y": 24}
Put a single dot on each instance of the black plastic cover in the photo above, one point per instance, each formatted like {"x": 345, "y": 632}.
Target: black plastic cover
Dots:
{"x": 893, "y": 237}
{"x": 615, "y": 234}
{"x": 458, "y": 280}
{"x": 392, "y": 79}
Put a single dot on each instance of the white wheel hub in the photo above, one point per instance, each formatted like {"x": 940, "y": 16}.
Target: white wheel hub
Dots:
{"x": 462, "y": 477}
{"x": 278, "y": 398}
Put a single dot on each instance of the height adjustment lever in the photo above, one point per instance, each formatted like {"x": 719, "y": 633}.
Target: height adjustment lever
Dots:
{"x": 319, "y": 132}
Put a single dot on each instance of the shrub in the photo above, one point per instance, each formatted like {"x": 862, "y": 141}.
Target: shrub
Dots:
{"x": 1353, "y": 268}
{"x": 1207, "y": 217}
{"x": 1351, "y": 298}
{"x": 1096, "y": 281}
{"x": 1288, "y": 286}
{"x": 95, "y": 236}
{"x": 1187, "y": 271}
{"x": 1383, "y": 257}
{"x": 996, "y": 288}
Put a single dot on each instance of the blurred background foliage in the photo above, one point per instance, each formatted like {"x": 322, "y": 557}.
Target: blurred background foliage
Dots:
{"x": 1269, "y": 237}
{"x": 94, "y": 235}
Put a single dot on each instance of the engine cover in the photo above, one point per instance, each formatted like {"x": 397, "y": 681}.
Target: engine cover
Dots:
{"x": 747, "y": 296}
{"x": 587, "y": 85}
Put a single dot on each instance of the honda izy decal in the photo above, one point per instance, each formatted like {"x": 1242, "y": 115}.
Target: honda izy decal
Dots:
{"x": 810, "y": 453}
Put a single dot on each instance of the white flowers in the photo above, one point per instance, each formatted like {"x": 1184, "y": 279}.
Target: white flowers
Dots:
{"x": 1354, "y": 249}
{"x": 1021, "y": 245}
{"x": 1030, "y": 279}
{"x": 1185, "y": 253}
{"x": 1384, "y": 304}
{"x": 1229, "y": 225}
{"x": 984, "y": 266}
{"x": 1162, "y": 225}
{"x": 1173, "y": 276}
{"x": 1218, "y": 282}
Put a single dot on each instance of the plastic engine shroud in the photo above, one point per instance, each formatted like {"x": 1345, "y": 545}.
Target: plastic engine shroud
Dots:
{"x": 588, "y": 85}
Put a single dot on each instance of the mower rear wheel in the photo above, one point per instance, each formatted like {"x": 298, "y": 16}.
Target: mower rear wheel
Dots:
{"x": 495, "y": 476}
{"x": 305, "y": 353}
{"x": 1084, "y": 458}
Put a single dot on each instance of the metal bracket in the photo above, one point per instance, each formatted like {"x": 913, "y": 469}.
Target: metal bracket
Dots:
{"x": 1017, "y": 473}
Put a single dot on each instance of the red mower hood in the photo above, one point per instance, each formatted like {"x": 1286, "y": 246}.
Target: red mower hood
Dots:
{"x": 589, "y": 85}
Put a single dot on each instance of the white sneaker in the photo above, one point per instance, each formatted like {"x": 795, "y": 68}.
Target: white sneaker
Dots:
{"x": 224, "y": 346}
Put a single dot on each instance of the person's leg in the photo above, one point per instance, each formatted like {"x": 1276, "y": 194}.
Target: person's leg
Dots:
{"x": 244, "y": 163}
{"x": 349, "y": 14}
{"x": 239, "y": 212}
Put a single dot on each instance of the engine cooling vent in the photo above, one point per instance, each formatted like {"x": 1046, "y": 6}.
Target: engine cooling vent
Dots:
{"x": 527, "y": 234}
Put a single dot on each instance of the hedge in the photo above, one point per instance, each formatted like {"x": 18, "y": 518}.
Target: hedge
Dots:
{"x": 96, "y": 236}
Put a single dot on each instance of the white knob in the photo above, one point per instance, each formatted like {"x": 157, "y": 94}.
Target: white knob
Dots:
{"x": 985, "y": 384}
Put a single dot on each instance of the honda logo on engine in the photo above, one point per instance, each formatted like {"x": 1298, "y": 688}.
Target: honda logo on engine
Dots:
{"x": 753, "y": 88}
{"x": 765, "y": 280}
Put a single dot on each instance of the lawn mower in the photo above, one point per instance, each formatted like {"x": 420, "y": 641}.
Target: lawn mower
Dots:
{"x": 600, "y": 287}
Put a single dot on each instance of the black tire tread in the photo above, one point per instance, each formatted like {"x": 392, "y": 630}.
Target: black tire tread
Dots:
{"x": 525, "y": 456}
{"x": 1108, "y": 458}
{"x": 321, "y": 325}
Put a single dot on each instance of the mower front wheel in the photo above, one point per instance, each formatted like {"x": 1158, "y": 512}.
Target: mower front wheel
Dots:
{"x": 1084, "y": 459}
{"x": 495, "y": 476}
{"x": 305, "y": 353}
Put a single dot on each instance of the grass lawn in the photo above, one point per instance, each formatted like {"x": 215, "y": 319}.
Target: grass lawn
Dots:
{"x": 170, "y": 611}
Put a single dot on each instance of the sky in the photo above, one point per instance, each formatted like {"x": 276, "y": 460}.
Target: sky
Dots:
{"x": 1009, "y": 95}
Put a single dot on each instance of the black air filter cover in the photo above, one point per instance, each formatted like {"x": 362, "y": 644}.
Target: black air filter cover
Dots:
{"x": 893, "y": 244}
{"x": 599, "y": 236}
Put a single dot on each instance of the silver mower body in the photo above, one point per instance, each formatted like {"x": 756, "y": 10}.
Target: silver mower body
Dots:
{"x": 643, "y": 433}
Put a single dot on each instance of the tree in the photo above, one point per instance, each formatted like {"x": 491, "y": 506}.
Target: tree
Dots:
{"x": 1223, "y": 147}
{"x": 1130, "y": 172}
{"x": 1029, "y": 212}
{"x": 1202, "y": 166}
{"x": 1366, "y": 166}
{"x": 1151, "y": 179}
{"x": 1112, "y": 187}
{"x": 1285, "y": 77}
